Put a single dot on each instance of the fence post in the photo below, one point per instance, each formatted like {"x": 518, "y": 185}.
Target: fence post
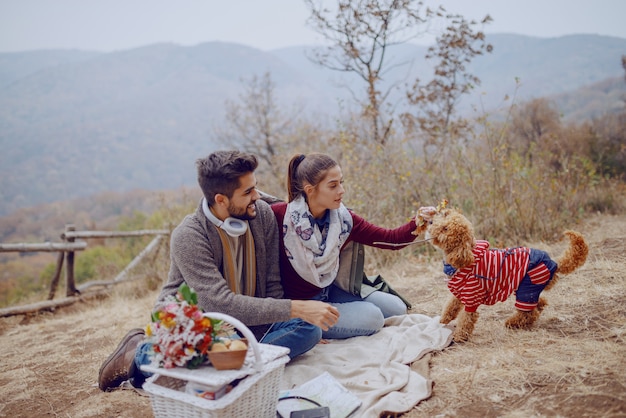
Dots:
{"x": 69, "y": 272}
{"x": 57, "y": 275}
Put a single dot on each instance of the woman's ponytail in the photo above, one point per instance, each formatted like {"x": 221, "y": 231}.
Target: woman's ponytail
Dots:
{"x": 294, "y": 186}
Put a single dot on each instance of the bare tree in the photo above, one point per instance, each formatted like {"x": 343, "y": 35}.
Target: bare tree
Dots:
{"x": 360, "y": 33}
{"x": 624, "y": 67}
{"x": 437, "y": 100}
{"x": 256, "y": 124}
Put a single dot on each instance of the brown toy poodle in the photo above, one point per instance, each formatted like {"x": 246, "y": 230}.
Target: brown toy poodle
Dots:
{"x": 479, "y": 275}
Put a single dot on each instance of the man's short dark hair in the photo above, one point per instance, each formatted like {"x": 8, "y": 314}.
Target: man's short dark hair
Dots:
{"x": 221, "y": 170}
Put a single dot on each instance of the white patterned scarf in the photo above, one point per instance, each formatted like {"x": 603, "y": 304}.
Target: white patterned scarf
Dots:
{"x": 316, "y": 260}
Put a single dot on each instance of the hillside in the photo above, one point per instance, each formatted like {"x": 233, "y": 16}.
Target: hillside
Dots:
{"x": 606, "y": 95}
{"x": 570, "y": 364}
{"x": 75, "y": 123}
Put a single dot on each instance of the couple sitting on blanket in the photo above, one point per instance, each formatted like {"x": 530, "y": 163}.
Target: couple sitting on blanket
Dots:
{"x": 299, "y": 242}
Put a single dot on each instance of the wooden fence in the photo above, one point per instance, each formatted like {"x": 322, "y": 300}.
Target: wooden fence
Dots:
{"x": 67, "y": 251}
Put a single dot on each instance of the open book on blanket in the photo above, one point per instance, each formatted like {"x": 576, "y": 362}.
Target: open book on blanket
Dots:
{"x": 324, "y": 390}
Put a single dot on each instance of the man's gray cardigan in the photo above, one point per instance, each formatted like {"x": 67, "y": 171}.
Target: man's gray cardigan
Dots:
{"x": 196, "y": 257}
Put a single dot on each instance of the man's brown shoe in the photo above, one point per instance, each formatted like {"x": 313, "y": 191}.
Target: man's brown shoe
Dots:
{"x": 116, "y": 367}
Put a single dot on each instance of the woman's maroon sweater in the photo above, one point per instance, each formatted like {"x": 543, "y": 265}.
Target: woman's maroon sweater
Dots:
{"x": 362, "y": 231}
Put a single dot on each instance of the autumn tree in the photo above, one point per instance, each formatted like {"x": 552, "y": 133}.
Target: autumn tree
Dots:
{"x": 607, "y": 141}
{"x": 531, "y": 124}
{"x": 359, "y": 35}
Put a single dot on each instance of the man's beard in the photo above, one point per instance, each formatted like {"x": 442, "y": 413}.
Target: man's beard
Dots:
{"x": 241, "y": 214}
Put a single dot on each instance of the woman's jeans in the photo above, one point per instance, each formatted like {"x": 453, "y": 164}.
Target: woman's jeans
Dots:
{"x": 297, "y": 335}
{"x": 359, "y": 316}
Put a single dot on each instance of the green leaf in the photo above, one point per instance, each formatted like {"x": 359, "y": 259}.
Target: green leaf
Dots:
{"x": 196, "y": 362}
{"x": 216, "y": 325}
{"x": 189, "y": 295}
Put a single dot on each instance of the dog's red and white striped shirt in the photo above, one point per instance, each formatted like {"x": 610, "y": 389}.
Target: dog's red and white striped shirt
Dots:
{"x": 494, "y": 275}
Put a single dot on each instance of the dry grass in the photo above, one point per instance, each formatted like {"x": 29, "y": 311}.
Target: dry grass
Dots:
{"x": 573, "y": 363}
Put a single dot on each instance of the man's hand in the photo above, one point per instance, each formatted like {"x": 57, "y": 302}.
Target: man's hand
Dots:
{"x": 315, "y": 312}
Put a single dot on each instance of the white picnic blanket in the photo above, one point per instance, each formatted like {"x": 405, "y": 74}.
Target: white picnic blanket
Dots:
{"x": 377, "y": 368}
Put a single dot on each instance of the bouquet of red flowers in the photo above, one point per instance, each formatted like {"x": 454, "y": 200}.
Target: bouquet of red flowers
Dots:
{"x": 179, "y": 332}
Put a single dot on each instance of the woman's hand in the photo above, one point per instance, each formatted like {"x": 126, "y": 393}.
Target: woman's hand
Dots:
{"x": 315, "y": 312}
{"x": 426, "y": 213}
{"x": 423, "y": 217}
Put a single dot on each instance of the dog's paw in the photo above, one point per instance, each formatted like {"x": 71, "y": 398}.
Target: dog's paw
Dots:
{"x": 514, "y": 324}
{"x": 460, "y": 336}
{"x": 522, "y": 320}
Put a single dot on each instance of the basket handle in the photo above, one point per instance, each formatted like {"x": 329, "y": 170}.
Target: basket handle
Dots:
{"x": 258, "y": 364}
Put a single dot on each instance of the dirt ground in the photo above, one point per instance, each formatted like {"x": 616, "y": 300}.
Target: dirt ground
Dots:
{"x": 573, "y": 363}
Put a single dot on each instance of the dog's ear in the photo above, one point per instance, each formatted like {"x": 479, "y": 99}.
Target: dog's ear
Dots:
{"x": 461, "y": 232}
{"x": 461, "y": 255}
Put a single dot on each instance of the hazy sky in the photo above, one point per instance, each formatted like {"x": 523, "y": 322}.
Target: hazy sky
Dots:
{"x": 108, "y": 25}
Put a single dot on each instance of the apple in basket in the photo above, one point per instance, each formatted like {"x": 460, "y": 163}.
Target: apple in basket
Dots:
{"x": 228, "y": 354}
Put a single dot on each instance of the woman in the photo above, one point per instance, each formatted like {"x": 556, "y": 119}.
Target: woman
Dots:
{"x": 316, "y": 226}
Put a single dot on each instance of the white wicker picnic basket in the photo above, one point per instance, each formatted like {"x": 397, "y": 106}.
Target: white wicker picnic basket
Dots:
{"x": 255, "y": 395}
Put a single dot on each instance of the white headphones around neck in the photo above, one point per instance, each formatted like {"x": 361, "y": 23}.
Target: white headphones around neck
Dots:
{"x": 232, "y": 226}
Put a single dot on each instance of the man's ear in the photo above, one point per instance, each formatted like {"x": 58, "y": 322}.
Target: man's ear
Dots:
{"x": 221, "y": 200}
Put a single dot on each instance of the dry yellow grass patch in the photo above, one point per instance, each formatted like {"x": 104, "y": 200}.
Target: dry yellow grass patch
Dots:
{"x": 573, "y": 363}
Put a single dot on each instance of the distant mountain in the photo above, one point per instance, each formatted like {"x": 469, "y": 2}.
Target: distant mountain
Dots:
{"x": 74, "y": 123}
{"x": 17, "y": 65}
{"x": 117, "y": 121}
{"x": 547, "y": 67}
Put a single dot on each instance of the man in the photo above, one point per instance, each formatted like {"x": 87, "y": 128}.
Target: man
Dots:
{"x": 227, "y": 251}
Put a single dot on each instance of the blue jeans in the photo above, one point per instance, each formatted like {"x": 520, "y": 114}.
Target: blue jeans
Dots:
{"x": 359, "y": 316}
{"x": 297, "y": 335}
